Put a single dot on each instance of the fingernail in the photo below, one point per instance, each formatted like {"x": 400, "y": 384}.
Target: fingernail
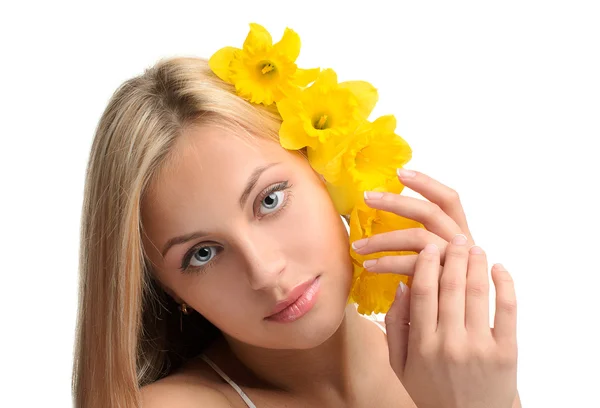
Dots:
{"x": 403, "y": 173}
{"x": 459, "y": 239}
{"x": 475, "y": 250}
{"x": 360, "y": 243}
{"x": 372, "y": 195}
{"x": 499, "y": 266}
{"x": 367, "y": 264}
{"x": 401, "y": 288}
{"x": 431, "y": 249}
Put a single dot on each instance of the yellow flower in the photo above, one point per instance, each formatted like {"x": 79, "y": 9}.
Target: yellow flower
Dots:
{"x": 365, "y": 160}
{"x": 374, "y": 292}
{"x": 263, "y": 72}
{"x": 324, "y": 111}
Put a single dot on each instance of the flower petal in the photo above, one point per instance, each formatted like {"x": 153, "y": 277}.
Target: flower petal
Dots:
{"x": 385, "y": 124}
{"x": 303, "y": 77}
{"x": 327, "y": 79}
{"x": 289, "y": 45}
{"x": 344, "y": 196}
{"x": 292, "y": 136}
{"x": 288, "y": 108}
{"x": 220, "y": 61}
{"x": 365, "y": 93}
{"x": 258, "y": 39}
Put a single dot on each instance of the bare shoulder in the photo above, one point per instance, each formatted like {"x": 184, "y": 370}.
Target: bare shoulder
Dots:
{"x": 182, "y": 391}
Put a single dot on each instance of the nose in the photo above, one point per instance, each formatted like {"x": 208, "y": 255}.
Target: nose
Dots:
{"x": 264, "y": 260}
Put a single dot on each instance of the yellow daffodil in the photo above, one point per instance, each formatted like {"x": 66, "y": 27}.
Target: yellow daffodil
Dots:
{"x": 263, "y": 72}
{"x": 374, "y": 292}
{"x": 365, "y": 160}
{"x": 325, "y": 110}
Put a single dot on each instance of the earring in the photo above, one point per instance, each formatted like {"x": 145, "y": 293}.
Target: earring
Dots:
{"x": 184, "y": 311}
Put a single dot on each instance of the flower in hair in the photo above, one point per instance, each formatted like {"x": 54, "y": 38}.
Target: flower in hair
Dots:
{"x": 261, "y": 71}
{"x": 330, "y": 119}
{"x": 325, "y": 111}
{"x": 366, "y": 160}
{"x": 374, "y": 292}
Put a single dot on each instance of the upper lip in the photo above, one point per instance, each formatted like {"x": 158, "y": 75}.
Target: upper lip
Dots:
{"x": 291, "y": 297}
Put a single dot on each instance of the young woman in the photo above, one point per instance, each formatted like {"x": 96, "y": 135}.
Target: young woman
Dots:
{"x": 215, "y": 271}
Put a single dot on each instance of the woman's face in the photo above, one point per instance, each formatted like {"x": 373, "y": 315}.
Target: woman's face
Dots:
{"x": 257, "y": 222}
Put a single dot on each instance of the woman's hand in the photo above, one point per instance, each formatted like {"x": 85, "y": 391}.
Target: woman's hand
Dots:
{"x": 442, "y": 216}
{"x": 448, "y": 356}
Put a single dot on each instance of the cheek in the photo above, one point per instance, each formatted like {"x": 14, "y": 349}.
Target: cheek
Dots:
{"x": 315, "y": 229}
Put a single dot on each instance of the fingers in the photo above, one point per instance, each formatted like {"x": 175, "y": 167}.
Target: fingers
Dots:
{"x": 477, "y": 313}
{"x": 452, "y": 285}
{"x": 431, "y": 215}
{"x": 424, "y": 293}
{"x": 445, "y": 197}
{"x": 397, "y": 329}
{"x": 399, "y": 264}
{"x": 505, "y": 320}
{"x": 411, "y": 239}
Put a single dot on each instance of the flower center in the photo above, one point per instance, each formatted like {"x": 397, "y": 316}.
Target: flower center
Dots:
{"x": 321, "y": 122}
{"x": 364, "y": 159}
{"x": 267, "y": 68}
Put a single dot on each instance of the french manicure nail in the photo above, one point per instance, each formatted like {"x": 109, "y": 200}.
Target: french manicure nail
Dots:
{"x": 401, "y": 288}
{"x": 475, "y": 250}
{"x": 360, "y": 243}
{"x": 372, "y": 195}
{"x": 459, "y": 239}
{"x": 404, "y": 173}
{"x": 367, "y": 264}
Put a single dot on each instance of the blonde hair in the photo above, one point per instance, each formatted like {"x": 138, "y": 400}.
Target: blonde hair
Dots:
{"x": 125, "y": 319}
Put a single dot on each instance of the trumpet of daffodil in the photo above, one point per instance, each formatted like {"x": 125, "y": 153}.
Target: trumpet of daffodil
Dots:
{"x": 365, "y": 160}
{"x": 261, "y": 71}
{"x": 374, "y": 292}
{"x": 325, "y": 111}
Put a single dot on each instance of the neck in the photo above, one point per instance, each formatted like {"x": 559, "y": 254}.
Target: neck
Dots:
{"x": 333, "y": 366}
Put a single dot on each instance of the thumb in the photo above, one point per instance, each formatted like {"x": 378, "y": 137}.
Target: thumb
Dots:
{"x": 397, "y": 328}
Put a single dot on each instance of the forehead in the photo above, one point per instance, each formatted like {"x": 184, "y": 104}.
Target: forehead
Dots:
{"x": 206, "y": 174}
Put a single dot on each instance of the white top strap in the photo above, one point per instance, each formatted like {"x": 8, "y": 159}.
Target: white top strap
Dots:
{"x": 236, "y": 387}
{"x": 229, "y": 380}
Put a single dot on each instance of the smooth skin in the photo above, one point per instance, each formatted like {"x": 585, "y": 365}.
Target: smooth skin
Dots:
{"x": 436, "y": 368}
{"x": 441, "y": 345}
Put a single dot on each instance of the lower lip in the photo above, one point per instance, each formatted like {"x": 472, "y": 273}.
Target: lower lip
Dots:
{"x": 300, "y": 307}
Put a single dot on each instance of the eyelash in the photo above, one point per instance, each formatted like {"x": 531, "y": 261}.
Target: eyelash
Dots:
{"x": 284, "y": 185}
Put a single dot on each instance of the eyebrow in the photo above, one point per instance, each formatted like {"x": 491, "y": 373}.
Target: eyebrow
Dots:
{"x": 250, "y": 184}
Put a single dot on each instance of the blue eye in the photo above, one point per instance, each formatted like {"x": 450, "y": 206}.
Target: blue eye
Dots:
{"x": 272, "y": 202}
{"x": 202, "y": 256}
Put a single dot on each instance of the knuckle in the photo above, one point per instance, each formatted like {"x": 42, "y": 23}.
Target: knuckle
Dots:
{"x": 422, "y": 289}
{"x": 453, "y": 352}
{"x": 426, "y": 351}
{"x": 507, "y": 305}
{"x": 451, "y": 285}
{"x": 433, "y": 211}
{"x": 506, "y": 359}
{"x": 453, "y": 251}
{"x": 452, "y": 196}
{"x": 421, "y": 234}
{"x": 478, "y": 289}
{"x": 481, "y": 350}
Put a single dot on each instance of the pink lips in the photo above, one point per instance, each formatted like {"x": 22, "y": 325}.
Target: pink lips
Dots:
{"x": 299, "y": 301}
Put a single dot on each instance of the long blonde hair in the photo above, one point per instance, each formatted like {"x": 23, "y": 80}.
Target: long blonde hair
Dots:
{"x": 125, "y": 320}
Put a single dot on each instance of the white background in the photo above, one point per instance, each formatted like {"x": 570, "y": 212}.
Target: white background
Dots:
{"x": 499, "y": 100}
